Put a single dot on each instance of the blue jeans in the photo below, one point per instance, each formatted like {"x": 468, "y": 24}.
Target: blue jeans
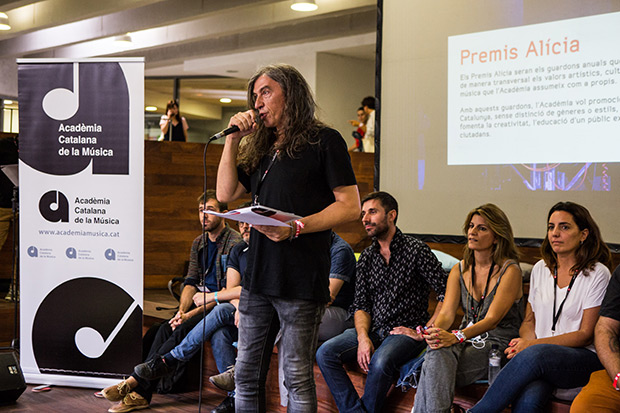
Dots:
{"x": 528, "y": 380}
{"x": 219, "y": 328}
{"x": 261, "y": 317}
{"x": 390, "y": 354}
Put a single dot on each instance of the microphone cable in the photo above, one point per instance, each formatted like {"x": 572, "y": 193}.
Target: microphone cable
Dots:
{"x": 227, "y": 131}
{"x": 204, "y": 265}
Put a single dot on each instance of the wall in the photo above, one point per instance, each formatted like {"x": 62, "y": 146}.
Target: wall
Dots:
{"x": 341, "y": 84}
{"x": 338, "y": 82}
{"x": 8, "y": 80}
{"x": 207, "y": 128}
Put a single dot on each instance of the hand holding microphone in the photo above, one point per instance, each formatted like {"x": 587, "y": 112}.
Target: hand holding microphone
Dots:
{"x": 240, "y": 125}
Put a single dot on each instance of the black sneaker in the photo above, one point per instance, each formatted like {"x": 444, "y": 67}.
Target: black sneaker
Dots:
{"x": 227, "y": 406}
{"x": 153, "y": 369}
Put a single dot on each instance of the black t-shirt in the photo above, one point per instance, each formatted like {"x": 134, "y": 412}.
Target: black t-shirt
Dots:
{"x": 177, "y": 132}
{"x": 211, "y": 276}
{"x": 238, "y": 258}
{"x": 611, "y": 303}
{"x": 304, "y": 186}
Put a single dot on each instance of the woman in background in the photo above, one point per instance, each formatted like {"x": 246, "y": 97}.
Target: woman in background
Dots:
{"x": 487, "y": 285}
{"x": 554, "y": 348}
{"x": 358, "y": 134}
{"x": 173, "y": 126}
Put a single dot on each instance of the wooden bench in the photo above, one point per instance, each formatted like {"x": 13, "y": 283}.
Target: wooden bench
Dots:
{"x": 397, "y": 401}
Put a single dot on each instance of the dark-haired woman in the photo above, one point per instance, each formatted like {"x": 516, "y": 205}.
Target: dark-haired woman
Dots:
{"x": 554, "y": 348}
{"x": 173, "y": 126}
{"x": 487, "y": 285}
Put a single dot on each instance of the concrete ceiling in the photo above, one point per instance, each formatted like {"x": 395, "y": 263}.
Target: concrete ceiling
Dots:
{"x": 222, "y": 41}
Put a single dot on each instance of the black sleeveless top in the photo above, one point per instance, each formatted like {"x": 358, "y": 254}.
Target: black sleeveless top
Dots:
{"x": 508, "y": 328}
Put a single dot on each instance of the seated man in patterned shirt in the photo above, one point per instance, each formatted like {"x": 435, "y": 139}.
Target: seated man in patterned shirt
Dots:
{"x": 394, "y": 278}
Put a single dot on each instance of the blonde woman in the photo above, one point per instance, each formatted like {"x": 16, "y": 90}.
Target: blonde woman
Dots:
{"x": 487, "y": 285}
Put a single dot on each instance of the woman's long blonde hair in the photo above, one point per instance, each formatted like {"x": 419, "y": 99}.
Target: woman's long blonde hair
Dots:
{"x": 497, "y": 221}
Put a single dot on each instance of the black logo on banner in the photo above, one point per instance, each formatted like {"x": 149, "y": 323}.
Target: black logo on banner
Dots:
{"x": 87, "y": 326}
{"x": 73, "y": 115}
{"x": 54, "y": 206}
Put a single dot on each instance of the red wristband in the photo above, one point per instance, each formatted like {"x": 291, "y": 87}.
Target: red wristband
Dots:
{"x": 298, "y": 227}
{"x": 616, "y": 381}
{"x": 459, "y": 335}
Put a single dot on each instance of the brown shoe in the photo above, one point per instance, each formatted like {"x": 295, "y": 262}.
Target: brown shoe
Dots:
{"x": 116, "y": 392}
{"x": 224, "y": 381}
{"x": 133, "y": 401}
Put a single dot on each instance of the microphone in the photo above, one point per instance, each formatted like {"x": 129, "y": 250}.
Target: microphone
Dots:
{"x": 227, "y": 131}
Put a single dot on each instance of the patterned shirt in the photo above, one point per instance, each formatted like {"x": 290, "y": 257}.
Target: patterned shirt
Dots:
{"x": 396, "y": 294}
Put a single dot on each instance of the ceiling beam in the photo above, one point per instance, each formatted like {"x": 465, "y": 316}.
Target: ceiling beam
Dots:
{"x": 266, "y": 39}
{"x": 160, "y": 23}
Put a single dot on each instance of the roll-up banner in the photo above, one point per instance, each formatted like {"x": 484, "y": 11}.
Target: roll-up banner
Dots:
{"x": 81, "y": 171}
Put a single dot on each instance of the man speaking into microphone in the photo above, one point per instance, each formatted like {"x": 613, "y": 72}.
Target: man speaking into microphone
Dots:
{"x": 290, "y": 161}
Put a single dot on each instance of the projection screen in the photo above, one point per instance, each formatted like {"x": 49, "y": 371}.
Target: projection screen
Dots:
{"x": 511, "y": 102}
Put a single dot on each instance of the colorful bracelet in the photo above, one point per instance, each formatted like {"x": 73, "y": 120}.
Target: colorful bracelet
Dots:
{"x": 293, "y": 226}
{"x": 616, "y": 381}
{"x": 298, "y": 227}
{"x": 215, "y": 298}
{"x": 459, "y": 335}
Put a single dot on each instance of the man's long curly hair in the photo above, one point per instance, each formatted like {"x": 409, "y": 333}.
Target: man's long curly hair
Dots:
{"x": 300, "y": 124}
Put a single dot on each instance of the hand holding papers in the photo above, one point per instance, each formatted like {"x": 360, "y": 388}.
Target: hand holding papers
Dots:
{"x": 258, "y": 215}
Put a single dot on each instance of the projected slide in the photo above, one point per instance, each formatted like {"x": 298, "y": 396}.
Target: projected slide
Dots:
{"x": 539, "y": 94}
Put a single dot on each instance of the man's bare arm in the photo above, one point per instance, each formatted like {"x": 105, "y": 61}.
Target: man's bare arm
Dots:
{"x": 607, "y": 345}
{"x": 365, "y": 347}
